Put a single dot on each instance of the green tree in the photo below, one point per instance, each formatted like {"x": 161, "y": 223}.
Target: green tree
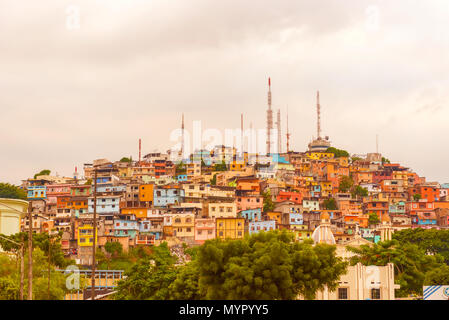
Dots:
{"x": 410, "y": 263}
{"x": 330, "y": 204}
{"x": 385, "y": 160}
{"x": 359, "y": 191}
{"x": 338, "y": 152}
{"x": 437, "y": 276}
{"x": 373, "y": 218}
{"x": 181, "y": 168}
{"x": 268, "y": 204}
{"x": 220, "y": 166}
{"x": 150, "y": 277}
{"x": 186, "y": 284}
{"x": 346, "y": 184}
{"x": 354, "y": 159}
{"x": 267, "y": 265}
{"x": 46, "y": 243}
{"x": 431, "y": 240}
{"x": 125, "y": 159}
{"x": 44, "y": 172}
{"x": 12, "y": 192}
{"x": 10, "y": 278}
{"x": 416, "y": 197}
{"x": 213, "y": 181}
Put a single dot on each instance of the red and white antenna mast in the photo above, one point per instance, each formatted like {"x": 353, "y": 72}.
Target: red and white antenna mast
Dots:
{"x": 318, "y": 112}
{"x": 140, "y": 150}
{"x": 288, "y": 135}
{"x": 269, "y": 118}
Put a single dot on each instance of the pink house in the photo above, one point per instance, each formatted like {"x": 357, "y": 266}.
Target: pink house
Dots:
{"x": 247, "y": 202}
{"x": 204, "y": 229}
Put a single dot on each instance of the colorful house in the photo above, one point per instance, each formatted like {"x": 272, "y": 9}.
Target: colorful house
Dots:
{"x": 230, "y": 228}
{"x": 257, "y": 226}
{"x": 36, "y": 192}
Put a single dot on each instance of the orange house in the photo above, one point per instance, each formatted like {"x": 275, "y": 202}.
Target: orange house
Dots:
{"x": 289, "y": 196}
{"x": 363, "y": 177}
{"x": 276, "y": 216}
{"x": 378, "y": 207}
{"x": 138, "y": 212}
{"x": 427, "y": 192}
{"x": 146, "y": 192}
{"x": 249, "y": 184}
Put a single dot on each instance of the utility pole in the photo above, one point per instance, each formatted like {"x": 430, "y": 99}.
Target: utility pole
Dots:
{"x": 95, "y": 236}
{"x": 30, "y": 253}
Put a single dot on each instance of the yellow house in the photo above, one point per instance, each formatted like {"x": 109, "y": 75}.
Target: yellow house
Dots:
{"x": 343, "y": 161}
{"x": 315, "y": 155}
{"x": 146, "y": 192}
{"x": 125, "y": 172}
{"x": 237, "y": 166}
{"x": 11, "y": 211}
{"x": 85, "y": 236}
{"x": 326, "y": 187}
{"x": 230, "y": 228}
{"x": 222, "y": 209}
{"x": 183, "y": 225}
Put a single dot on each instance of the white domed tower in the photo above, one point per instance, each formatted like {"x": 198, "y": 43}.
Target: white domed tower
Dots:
{"x": 323, "y": 233}
{"x": 386, "y": 228}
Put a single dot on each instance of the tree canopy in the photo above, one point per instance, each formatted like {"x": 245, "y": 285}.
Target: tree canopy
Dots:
{"x": 268, "y": 204}
{"x": 10, "y": 278}
{"x": 330, "y": 204}
{"x": 150, "y": 277}
{"x": 431, "y": 240}
{"x": 12, "y": 192}
{"x": 267, "y": 265}
{"x": 220, "y": 166}
{"x": 358, "y": 191}
{"x": 44, "y": 172}
{"x": 125, "y": 159}
{"x": 338, "y": 152}
{"x": 411, "y": 263}
{"x": 373, "y": 218}
{"x": 346, "y": 184}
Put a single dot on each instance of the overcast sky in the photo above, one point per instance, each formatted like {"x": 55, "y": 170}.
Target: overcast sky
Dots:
{"x": 72, "y": 92}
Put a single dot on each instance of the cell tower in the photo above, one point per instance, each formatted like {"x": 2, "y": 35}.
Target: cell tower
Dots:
{"x": 288, "y": 135}
{"x": 278, "y": 124}
{"x": 269, "y": 118}
{"x": 182, "y": 136}
{"x": 140, "y": 149}
{"x": 241, "y": 125}
{"x": 318, "y": 113}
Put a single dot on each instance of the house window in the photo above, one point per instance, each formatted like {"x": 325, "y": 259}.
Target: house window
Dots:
{"x": 375, "y": 294}
{"x": 342, "y": 293}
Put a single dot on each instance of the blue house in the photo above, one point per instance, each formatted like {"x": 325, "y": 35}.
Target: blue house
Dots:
{"x": 126, "y": 227}
{"x": 257, "y": 226}
{"x": 426, "y": 219}
{"x": 295, "y": 218}
{"x": 181, "y": 177}
{"x": 251, "y": 214}
{"x": 37, "y": 192}
{"x": 166, "y": 195}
